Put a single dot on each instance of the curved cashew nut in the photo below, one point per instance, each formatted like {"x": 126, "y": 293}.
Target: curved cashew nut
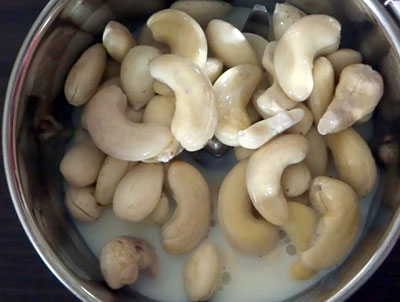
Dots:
{"x": 118, "y": 137}
{"x": 309, "y": 37}
{"x": 213, "y": 69}
{"x": 245, "y": 232}
{"x": 229, "y": 44}
{"x": 135, "y": 77}
{"x": 195, "y": 118}
{"x": 284, "y": 16}
{"x": 265, "y": 188}
{"x": 358, "y": 93}
{"x": 146, "y": 38}
{"x": 317, "y": 157}
{"x": 253, "y": 114}
{"x": 295, "y": 180}
{"x": 260, "y": 133}
{"x": 112, "y": 69}
{"x": 243, "y": 153}
{"x": 161, "y": 212}
{"x": 324, "y": 85}
{"x": 203, "y": 11}
{"x": 233, "y": 91}
{"x": 254, "y": 99}
{"x": 342, "y": 58}
{"x": 138, "y": 192}
{"x": 353, "y": 160}
{"x": 109, "y": 177}
{"x": 162, "y": 89}
{"x": 123, "y": 257}
{"x": 80, "y": 166}
{"x": 258, "y": 44}
{"x": 203, "y": 272}
{"x": 305, "y": 124}
{"x": 81, "y": 203}
{"x": 191, "y": 41}
{"x": 85, "y": 76}
{"x": 133, "y": 115}
{"x": 117, "y": 40}
{"x": 189, "y": 223}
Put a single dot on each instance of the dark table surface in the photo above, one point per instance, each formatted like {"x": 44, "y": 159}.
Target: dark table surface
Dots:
{"x": 23, "y": 276}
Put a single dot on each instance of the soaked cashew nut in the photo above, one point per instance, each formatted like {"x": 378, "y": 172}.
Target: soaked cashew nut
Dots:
{"x": 229, "y": 44}
{"x": 118, "y": 137}
{"x": 233, "y": 91}
{"x": 284, "y": 16}
{"x": 112, "y": 69}
{"x": 195, "y": 118}
{"x": 146, "y": 38}
{"x": 109, "y": 177}
{"x": 133, "y": 115}
{"x": 317, "y": 157}
{"x": 203, "y": 272}
{"x": 338, "y": 227}
{"x": 161, "y": 212}
{"x": 306, "y": 122}
{"x": 260, "y": 133}
{"x": 265, "y": 188}
{"x": 301, "y": 272}
{"x": 353, "y": 160}
{"x": 85, "y": 76}
{"x": 123, "y": 257}
{"x": 136, "y": 80}
{"x": 81, "y": 164}
{"x": 324, "y": 85}
{"x": 203, "y": 11}
{"x": 191, "y": 41}
{"x": 81, "y": 203}
{"x": 295, "y": 180}
{"x": 117, "y": 40}
{"x": 301, "y": 225}
{"x": 189, "y": 223}
{"x": 138, "y": 192}
{"x": 342, "y": 58}
{"x": 358, "y": 93}
{"x": 243, "y": 153}
{"x": 258, "y": 44}
{"x": 162, "y": 89}
{"x": 245, "y": 232}
{"x": 309, "y": 37}
{"x": 253, "y": 114}
{"x": 254, "y": 99}
{"x": 213, "y": 69}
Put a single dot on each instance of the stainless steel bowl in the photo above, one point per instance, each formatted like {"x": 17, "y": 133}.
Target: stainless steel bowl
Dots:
{"x": 37, "y": 126}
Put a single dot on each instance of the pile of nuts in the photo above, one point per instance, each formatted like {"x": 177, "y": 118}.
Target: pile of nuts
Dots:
{"x": 281, "y": 104}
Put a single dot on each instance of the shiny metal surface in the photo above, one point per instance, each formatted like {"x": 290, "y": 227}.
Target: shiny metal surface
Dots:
{"x": 38, "y": 123}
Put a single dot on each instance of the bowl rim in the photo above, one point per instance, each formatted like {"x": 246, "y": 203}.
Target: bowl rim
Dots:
{"x": 11, "y": 166}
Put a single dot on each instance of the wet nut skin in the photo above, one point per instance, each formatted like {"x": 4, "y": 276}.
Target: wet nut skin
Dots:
{"x": 304, "y": 125}
{"x": 284, "y": 16}
{"x": 295, "y": 180}
{"x": 123, "y": 257}
{"x": 162, "y": 89}
{"x": 85, "y": 76}
{"x": 342, "y": 58}
{"x": 317, "y": 157}
{"x": 353, "y": 160}
{"x": 245, "y": 232}
{"x": 203, "y": 272}
{"x": 189, "y": 223}
{"x": 265, "y": 188}
{"x": 117, "y": 40}
{"x": 213, "y": 69}
{"x": 81, "y": 203}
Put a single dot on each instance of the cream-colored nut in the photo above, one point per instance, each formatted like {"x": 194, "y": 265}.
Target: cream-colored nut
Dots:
{"x": 191, "y": 41}
{"x": 265, "y": 82}
{"x": 296, "y": 180}
{"x": 117, "y": 40}
{"x": 358, "y": 93}
{"x": 243, "y": 153}
{"x": 229, "y": 44}
{"x": 244, "y": 231}
{"x": 265, "y": 188}
{"x": 116, "y": 80}
{"x": 162, "y": 89}
{"x": 324, "y": 85}
{"x": 161, "y": 213}
{"x": 253, "y": 114}
{"x": 133, "y": 115}
{"x": 258, "y": 44}
{"x": 338, "y": 227}
{"x": 116, "y": 135}
{"x": 203, "y": 11}
{"x": 123, "y": 257}
{"x": 301, "y": 225}
{"x": 146, "y": 38}
{"x": 284, "y": 16}
{"x": 213, "y": 69}
{"x": 301, "y": 272}
{"x": 138, "y": 192}
{"x": 195, "y": 118}
{"x": 305, "y": 124}
{"x": 317, "y": 157}
{"x": 342, "y": 58}
{"x": 109, "y": 177}
{"x": 136, "y": 80}
{"x": 160, "y": 110}
{"x": 85, "y": 76}
{"x": 112, "y": 69}
{"x": 353, "y": 160}
{"x": 189, "y": 223}
{"x": 81, "y": 164}
{"x": 81, "y": 203}
{"x": 254, "y": 99}
{"x": 260, "y": 133}
{"x": 203, "y": 271}
{"x": 233, "y": 91}
{"x": 309, "y": 37}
